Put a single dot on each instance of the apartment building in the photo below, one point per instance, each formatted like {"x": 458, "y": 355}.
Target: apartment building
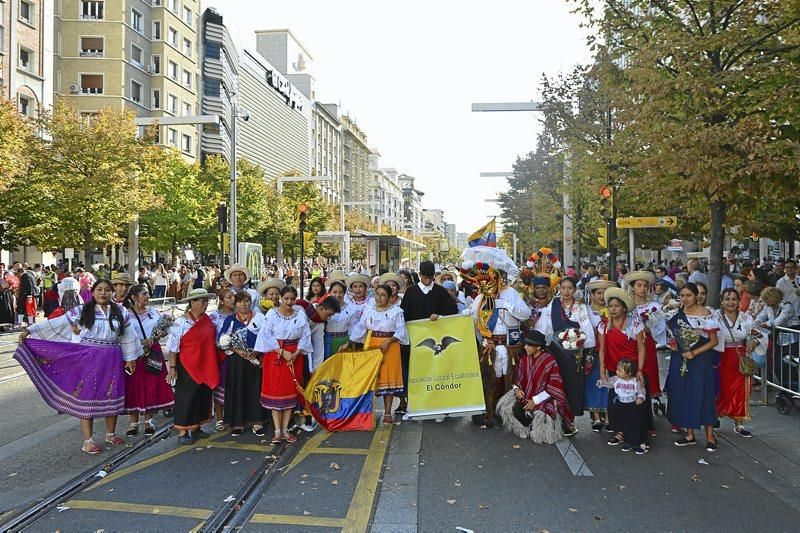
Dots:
{"x": 219, "y": 79}
{"x": 385, "y": 192}
{"x": 326, "y": 139}
{"x": 26, "y": 52}
{"x": 355, "y": 164}
{"x": 434, "y": 220}
{"x": 141, "y": 55}
{"x": 413, "y": 219}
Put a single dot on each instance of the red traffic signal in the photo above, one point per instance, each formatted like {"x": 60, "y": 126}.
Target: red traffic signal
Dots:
{"x": 606, "y": 192}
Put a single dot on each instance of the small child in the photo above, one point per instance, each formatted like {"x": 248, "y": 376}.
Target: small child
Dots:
{"x": 626, "y": 409}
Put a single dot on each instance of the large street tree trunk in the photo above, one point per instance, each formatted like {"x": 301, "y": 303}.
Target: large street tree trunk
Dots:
{"x": 718, "y": 208}
{"x": 87, "y": 246}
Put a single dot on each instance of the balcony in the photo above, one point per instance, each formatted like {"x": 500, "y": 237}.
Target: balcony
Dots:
{"x": 91, "y": 90}
{"x": 92, "y": 53}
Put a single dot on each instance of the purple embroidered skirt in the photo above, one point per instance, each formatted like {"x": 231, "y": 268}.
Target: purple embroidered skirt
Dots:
{"x": 84, "y": 380}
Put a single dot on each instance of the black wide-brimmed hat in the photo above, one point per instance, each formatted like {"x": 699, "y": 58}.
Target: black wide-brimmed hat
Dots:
{"x": 534, "y": 338}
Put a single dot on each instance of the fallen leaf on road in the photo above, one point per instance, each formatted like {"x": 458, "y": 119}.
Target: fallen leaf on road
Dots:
{"x": 725, "y": 486}
{"x": 62, "y": 508}
{"x": 598, "y": 517}
{"x": 464, "y": 530}
{"x": 695, "y": 477}
{"x": 335, "y": 466}
{"x": 622, "y": 487}
{"x": 306, "y": 513}
{"x": 12, "y": 474}
{"x": 304, "y": 476}
{"x": 110, "y": 490}
{"x": 572, "y": 510}
{"x": 302, "y": 482}
{"x": 702, "y": 462}
{"x": 451, "y": 502}
{"x": 517, "y": 446}
{"x": 334, "y": 482}
{"x": 199, "y": 449}
{"x": 229, "y": 499}
{"x": 457, "y": 483}
{"x": 234, "y": 462}
{"x": 481, "y": 506}
{"x": 209, "y": 447}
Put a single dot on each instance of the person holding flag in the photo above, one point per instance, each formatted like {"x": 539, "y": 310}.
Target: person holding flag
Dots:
{"x": 485, "y": 236}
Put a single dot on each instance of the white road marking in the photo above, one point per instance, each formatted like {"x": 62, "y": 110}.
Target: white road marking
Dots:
{"x": 573, "y": 459}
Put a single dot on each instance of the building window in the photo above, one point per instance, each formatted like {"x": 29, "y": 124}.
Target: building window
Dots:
{"x": 136, "y": 91}
{"x": 155, "y": 64}
{"x": 173, "y": 136}
{"x": 137, "y": 21}
{"x": 187, "y": 109}
{"x": 26, "y": 11}
{"x": 92, "y": 83}
{"x": 173, "y": 36}
{"x": 187, "y": 16}
{"x": 25, "y": 59}
{"x": 156, "y": 99}
{"x": 137, "y": 55}
{"x": 156, "y": 3}
{"x": 2, "y": 35}
{"x": 173, "y": 70}
{"x": 92, "y": 9}
{"x": 173, "y": 104}
{"x": 92, "y": 47}
{"x": 186, "y": 143}
{"x": 187, "y": 47}
{"x": 156, "y": 30}
{"x": 173, "y": 6}
{"x": 25, "y": 106}
{"x": 187, "y": 79}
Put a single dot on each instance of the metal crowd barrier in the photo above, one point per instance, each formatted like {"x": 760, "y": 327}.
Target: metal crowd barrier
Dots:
{"x": 782, "y": 369}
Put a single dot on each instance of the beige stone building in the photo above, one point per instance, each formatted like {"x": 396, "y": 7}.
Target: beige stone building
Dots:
{"x": 135, "y": 54}
{"x": 26, "y": 53}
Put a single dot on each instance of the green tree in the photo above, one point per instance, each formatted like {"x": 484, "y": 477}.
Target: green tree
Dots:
{"x": 182, "y": 214}
{"x": 707, "y": 88}
{"x": 87, "y": 182}
{"x": 16, "y": 135}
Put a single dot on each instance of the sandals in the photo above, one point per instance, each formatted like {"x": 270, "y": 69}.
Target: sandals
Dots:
{"x": 90, "y": 447}
{"x": 219, "y": 425}
{"x": 616, "y": 439}
{"x": 388, "y": 420}
{"x": 288, "y": 437}
{"x": 150, "y": 428}
{"x": 114, "y": 440}
{"x": 277, "y": 439}
{"x": 134, "y": 430}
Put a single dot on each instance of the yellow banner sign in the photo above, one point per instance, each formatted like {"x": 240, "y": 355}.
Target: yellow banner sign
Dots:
{"x": 647, "y": 222}
{"x": 444, "y": 377}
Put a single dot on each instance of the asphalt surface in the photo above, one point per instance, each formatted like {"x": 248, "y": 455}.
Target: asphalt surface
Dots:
{"x": 409, "y": 477}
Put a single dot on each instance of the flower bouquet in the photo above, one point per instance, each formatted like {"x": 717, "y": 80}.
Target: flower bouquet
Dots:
{"x": 686, "y": 337}
{"x": 162, "y": 326}
{"x": 237, "y": 341}
{"x": 265, "y": 305}
{"x": 573, "y": 339}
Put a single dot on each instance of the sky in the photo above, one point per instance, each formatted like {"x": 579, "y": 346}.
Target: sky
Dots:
{"x": 409, "y": 70}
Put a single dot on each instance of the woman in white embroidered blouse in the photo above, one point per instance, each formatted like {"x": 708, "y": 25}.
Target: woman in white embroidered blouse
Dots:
{"x": 284, "y": 339}
{"x": 84, "y": 379}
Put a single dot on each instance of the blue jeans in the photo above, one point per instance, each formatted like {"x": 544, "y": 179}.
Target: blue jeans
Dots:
{"x": 159, "y": 291}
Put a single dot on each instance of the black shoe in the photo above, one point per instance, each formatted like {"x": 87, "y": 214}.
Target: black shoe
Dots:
{"x": 199, "y": 434}
{"x": 236, "y": 432}
{"x": 185, "y": 440}
{"x": 609, "y": 429}
{"x": 684, "y": 441}
{"x": 258, "y": 430}
{"x": 711, "y": 446}
{"x": 742, "y": 432}
{"x": 625, "y": 447}
{"x": 640, "y": 450}
{"x": 613, "y": 441}
{"x": 149, "y": 430}
{"x": 133, "y": 431}
{"x": 597, "y": 426}
{"x": 570, "y": 431}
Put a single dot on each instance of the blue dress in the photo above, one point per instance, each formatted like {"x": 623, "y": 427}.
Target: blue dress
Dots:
{"x": 692, "y": 396}
{"x": 595, "y": 399}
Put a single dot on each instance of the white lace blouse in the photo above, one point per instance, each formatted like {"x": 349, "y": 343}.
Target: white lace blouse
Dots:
{"x": 277, "y": 327}
{"x": 59, "y": 329}
{"x": 390, "y": 320}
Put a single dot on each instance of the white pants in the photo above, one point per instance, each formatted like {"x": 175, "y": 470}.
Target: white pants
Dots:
{"x": 501, "y": 361}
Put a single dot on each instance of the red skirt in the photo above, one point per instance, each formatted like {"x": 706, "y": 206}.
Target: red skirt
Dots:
{"x": 145, "y": 391}
{"x": 30, "y": 306}
{"x": 279, "y": 380}
{"x": 733, "y": 399}
{"x": 650, "y": 369}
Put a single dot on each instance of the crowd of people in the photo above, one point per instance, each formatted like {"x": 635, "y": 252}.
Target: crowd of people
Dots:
{"x": 552, "y": 346}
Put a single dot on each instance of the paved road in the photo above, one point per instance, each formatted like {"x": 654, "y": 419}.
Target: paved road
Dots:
{"x": 411, "y": 477}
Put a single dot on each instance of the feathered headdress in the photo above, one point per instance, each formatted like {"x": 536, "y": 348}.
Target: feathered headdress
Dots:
{"x": 542, "y": 264}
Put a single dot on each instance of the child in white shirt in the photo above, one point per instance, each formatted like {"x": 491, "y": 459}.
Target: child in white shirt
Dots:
{"x": 626, "y": 409}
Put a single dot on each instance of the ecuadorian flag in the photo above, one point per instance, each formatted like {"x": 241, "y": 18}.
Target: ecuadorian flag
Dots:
{"x": 486, "y": 236}
{"x": 341, "y": 390}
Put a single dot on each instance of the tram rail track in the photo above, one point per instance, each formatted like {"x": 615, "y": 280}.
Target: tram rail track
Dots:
{"x": 232, "y": 515}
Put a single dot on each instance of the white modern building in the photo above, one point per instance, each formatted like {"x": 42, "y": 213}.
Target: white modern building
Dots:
{"x": 413, "y": 220}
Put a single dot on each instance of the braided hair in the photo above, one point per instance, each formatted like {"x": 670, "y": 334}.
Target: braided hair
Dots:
{"x": 115, "y": 311}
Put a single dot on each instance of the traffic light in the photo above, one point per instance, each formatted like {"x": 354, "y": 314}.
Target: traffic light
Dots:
{"x": 222, "y": 217}
{"x": 302, "y": 208}
{"x": 606, "y": 201}
{"x": 602, "y": 240}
